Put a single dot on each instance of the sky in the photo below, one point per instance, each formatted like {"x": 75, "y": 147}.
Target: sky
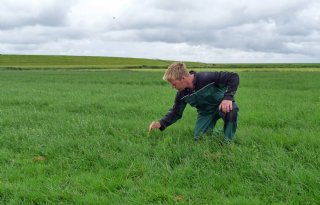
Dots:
{"x": 211, "y": 31}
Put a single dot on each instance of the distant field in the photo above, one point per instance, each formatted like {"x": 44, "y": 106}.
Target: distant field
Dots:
{"x": 81, "y": 62}
{"x": 80, "y": 137}
{"x": 19, "y": 62}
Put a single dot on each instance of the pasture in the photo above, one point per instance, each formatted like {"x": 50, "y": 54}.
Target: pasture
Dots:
{"x": 80, "y": 137}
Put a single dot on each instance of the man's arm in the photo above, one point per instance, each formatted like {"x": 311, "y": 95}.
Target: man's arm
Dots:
{"x": 229, "y": 79}
{"x": 232, "y": 81}
{"x": 174, "y": 114}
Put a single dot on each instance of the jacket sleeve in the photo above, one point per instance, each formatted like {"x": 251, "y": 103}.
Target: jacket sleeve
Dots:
{"x": 174, "y": 113}
{"x": 229, "y": 79}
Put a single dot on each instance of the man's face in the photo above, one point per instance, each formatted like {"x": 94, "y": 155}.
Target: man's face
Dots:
{"x": 178, "y": 84}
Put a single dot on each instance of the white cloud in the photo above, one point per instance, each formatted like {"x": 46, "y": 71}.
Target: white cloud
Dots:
{"x": 203, "y": 30}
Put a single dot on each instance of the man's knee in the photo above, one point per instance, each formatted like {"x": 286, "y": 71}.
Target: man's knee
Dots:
{"x": 231, "y": 116}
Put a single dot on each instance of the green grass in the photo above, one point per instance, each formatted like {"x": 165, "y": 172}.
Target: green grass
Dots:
{"x": 80, "y": 137}
{"x": 24, "y": 62}
{"x": 82, "y": 62}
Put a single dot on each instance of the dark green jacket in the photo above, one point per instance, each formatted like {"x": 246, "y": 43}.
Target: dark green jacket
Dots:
{"x": 210, "y": 88}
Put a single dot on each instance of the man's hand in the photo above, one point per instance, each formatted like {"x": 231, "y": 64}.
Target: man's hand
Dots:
{"x": 225, "y": 106}
{"x": 154, "y": 125}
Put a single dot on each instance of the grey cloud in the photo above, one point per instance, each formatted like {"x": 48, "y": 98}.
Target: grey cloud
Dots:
{"x": 51, "y": 14}
{"x": 40, "y": 34}
{"x": 270, "y": 28}
{"x": 202, "y": 14}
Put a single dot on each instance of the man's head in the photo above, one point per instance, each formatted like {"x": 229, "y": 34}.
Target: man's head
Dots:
{"x": 176, "y": 75}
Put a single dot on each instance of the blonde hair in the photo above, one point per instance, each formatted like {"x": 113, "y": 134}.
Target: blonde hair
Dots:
{"x": 175, "y": 71}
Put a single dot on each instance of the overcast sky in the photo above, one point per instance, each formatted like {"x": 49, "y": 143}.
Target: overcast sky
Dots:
{"x": 214, "y": 31}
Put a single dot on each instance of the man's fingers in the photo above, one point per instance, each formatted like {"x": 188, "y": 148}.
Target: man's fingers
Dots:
{"x": 228, "y": 108}
{"x": 225, "y": 106}
{"x": 154, "y": 125}
{"x": 150, "y": 126}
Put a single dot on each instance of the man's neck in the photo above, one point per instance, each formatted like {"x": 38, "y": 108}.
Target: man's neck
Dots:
{"x": 190, "y": 81}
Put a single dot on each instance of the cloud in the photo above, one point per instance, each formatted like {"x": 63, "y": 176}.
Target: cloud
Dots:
{"x": 15, "y": 14}
{"x": 203, "y": 30}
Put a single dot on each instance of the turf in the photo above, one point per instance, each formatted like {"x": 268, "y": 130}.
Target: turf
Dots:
{"x": 19, "y": 62}
{"x": 80, "y": 137}
{"x": 58, "y": 62}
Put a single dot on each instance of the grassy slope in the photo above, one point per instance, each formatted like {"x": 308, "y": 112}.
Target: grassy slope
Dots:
{"x": 45, "y": 61}
{"x": 80, "y": 138}
{"x": 91, "y": 62}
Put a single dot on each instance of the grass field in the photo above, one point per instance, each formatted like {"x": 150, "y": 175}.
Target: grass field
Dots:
{"x": 80, "y": 137}
{"x": 82, "y": 62}
{"x": 26, "y": 62}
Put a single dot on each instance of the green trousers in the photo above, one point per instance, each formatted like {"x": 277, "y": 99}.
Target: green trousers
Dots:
{"x": 207, "y": 121}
